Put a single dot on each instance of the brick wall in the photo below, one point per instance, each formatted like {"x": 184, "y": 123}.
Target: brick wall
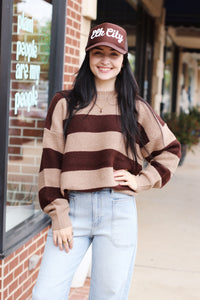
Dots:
{"x": 72, "y": 41}
{"x": 16, "y": 281}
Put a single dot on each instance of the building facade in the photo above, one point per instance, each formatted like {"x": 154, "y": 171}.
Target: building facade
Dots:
{"x": 42, "y": 45}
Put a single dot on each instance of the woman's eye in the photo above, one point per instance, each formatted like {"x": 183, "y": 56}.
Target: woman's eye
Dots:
{"x": 114, "y": 54}
{"x": 97, "y": 53}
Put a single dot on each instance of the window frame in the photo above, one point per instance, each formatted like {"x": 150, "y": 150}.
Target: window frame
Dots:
{"x": 17, "y": 236}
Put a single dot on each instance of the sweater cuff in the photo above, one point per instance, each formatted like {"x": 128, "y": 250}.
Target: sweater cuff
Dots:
{"x": 142, "y": 183}
{"x": 145, "y": 182}
{"x": 58, "y": 210}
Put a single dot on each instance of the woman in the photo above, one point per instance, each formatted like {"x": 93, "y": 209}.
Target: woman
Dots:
{"x": 96, "y": 137}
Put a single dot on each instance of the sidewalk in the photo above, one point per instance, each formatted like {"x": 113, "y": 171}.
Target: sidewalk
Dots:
{"x": 168, "y": 257}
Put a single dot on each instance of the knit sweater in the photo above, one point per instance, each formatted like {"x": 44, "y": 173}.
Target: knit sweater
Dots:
{"x": 94, "y": 148}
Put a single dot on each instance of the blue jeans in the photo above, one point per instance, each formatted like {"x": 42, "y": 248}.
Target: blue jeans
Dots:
{"x": 108, "y": 220}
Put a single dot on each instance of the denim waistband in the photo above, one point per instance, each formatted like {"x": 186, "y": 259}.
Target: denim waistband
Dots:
{"x": 103, "y": 190}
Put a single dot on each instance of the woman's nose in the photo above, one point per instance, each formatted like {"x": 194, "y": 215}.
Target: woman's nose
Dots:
{"x": 105, "y": 59}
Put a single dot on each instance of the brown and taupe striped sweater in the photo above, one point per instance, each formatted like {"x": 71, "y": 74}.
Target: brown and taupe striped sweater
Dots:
{"x": 94, "y": 148}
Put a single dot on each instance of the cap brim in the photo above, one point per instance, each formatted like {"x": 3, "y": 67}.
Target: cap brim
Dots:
{"x": 113, "y": 46}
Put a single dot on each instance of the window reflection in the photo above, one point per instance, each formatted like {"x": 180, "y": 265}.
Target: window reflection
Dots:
{"x": 31, "y": 33}
{"x": 167, "y": 91}
{"x": 131, "y": 37}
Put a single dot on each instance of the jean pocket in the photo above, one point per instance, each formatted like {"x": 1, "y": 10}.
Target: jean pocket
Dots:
{"x": 124, "y": 221}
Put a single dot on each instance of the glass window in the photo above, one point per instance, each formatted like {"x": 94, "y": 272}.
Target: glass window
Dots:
{"x": 131, "y": 58}
{"x": 31, "y": 33}
{"x": 131, "y": 36}
{"x": 168, "y": 71}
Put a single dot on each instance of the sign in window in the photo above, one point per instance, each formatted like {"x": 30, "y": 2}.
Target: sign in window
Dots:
{"x": 31, "y": 37}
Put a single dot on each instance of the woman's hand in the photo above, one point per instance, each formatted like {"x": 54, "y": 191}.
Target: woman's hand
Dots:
{"x": 63, "y": 237}
{"x": 125, "y": 178}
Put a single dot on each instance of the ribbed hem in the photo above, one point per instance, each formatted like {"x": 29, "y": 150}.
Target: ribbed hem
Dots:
{"x": 58, "y": 210}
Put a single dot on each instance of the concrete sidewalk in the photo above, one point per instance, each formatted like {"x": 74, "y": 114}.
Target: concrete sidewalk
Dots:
{"x": 168, "y": 257}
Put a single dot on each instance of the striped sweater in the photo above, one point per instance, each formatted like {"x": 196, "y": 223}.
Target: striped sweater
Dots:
{"x": 94, "y": 147}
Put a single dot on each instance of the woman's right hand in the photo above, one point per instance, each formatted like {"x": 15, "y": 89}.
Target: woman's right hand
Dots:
{"x": 63, "y": 237}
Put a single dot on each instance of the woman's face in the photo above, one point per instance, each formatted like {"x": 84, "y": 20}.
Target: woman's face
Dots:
{"x": 105, "y": 64}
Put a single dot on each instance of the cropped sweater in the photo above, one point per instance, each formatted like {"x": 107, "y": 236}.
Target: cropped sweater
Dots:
{"x": 94, "y": 148}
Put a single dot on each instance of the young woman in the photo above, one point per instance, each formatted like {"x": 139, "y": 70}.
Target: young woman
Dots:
{"x": 96, "y": 138}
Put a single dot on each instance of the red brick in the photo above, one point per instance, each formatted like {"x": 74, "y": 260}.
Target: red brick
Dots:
{"x": 87, "y": 282}
{"x": 18, "y": 293}
{"x": 19, "y": 123}
{"x": 25, "y": 295}
{"x": 8, "y": 279}
{"x": 15, "y": 131}
{"x": 26, "y": 284}
{"x": 14, "y": 150}
{"x": 40, "y": 242}
{"x": 78, "y": 18}
{"x": 14, "y": 157}
{"x": 13, "y": 287}
{"x": 23, "y": 277}
{"x": 26, "y": 264}
{"x": 42, "y": 249}
{"x": 77, "y": 297}
{"x": 32, "y": 132}
{"x": 72, "y": 32}
{"x": 13, "y": 263}
{"x": 68, "y": 59}
{"x": 34, "y": 277}
{"x": 40, "y": 124}
{"x": 5, "y": 294}
{"x": 18, "y": 271}
{"x": 10, "y": 298}
{"x": 6, "y": 270}
{"x": 32, "y": 248}
{"x": 77, "y": 53}
{"x": 19, "y": 141}
{"x": 76, "y": 7}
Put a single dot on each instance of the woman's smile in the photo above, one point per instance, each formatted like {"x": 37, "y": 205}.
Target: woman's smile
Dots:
{"x": 105, "y": 64}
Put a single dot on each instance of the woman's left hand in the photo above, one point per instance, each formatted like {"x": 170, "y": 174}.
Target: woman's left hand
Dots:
{"x": 125, "y": 178}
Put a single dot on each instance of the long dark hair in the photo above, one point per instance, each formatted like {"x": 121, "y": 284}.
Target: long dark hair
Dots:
{"x": 84, "y": 91}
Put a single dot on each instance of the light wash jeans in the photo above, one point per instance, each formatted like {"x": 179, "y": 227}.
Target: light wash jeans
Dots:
{"x": 108, "y": 220}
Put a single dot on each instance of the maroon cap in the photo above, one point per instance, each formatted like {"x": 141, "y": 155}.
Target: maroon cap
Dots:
{"x": 108, "y": 34}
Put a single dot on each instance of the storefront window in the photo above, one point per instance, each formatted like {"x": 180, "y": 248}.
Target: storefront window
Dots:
{"x": 31, "y": 34}
{"x": 168, "y": 71}
{"x": 131, "y": 36}
{"x": 131, "y": 58}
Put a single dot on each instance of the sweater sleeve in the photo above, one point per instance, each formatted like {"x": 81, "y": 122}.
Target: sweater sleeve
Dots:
{"x": 162, "y": 150}
{"x": 52, "y": 201}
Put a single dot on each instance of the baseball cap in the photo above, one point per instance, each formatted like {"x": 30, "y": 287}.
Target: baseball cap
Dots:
{"x": 108, "y": 34}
